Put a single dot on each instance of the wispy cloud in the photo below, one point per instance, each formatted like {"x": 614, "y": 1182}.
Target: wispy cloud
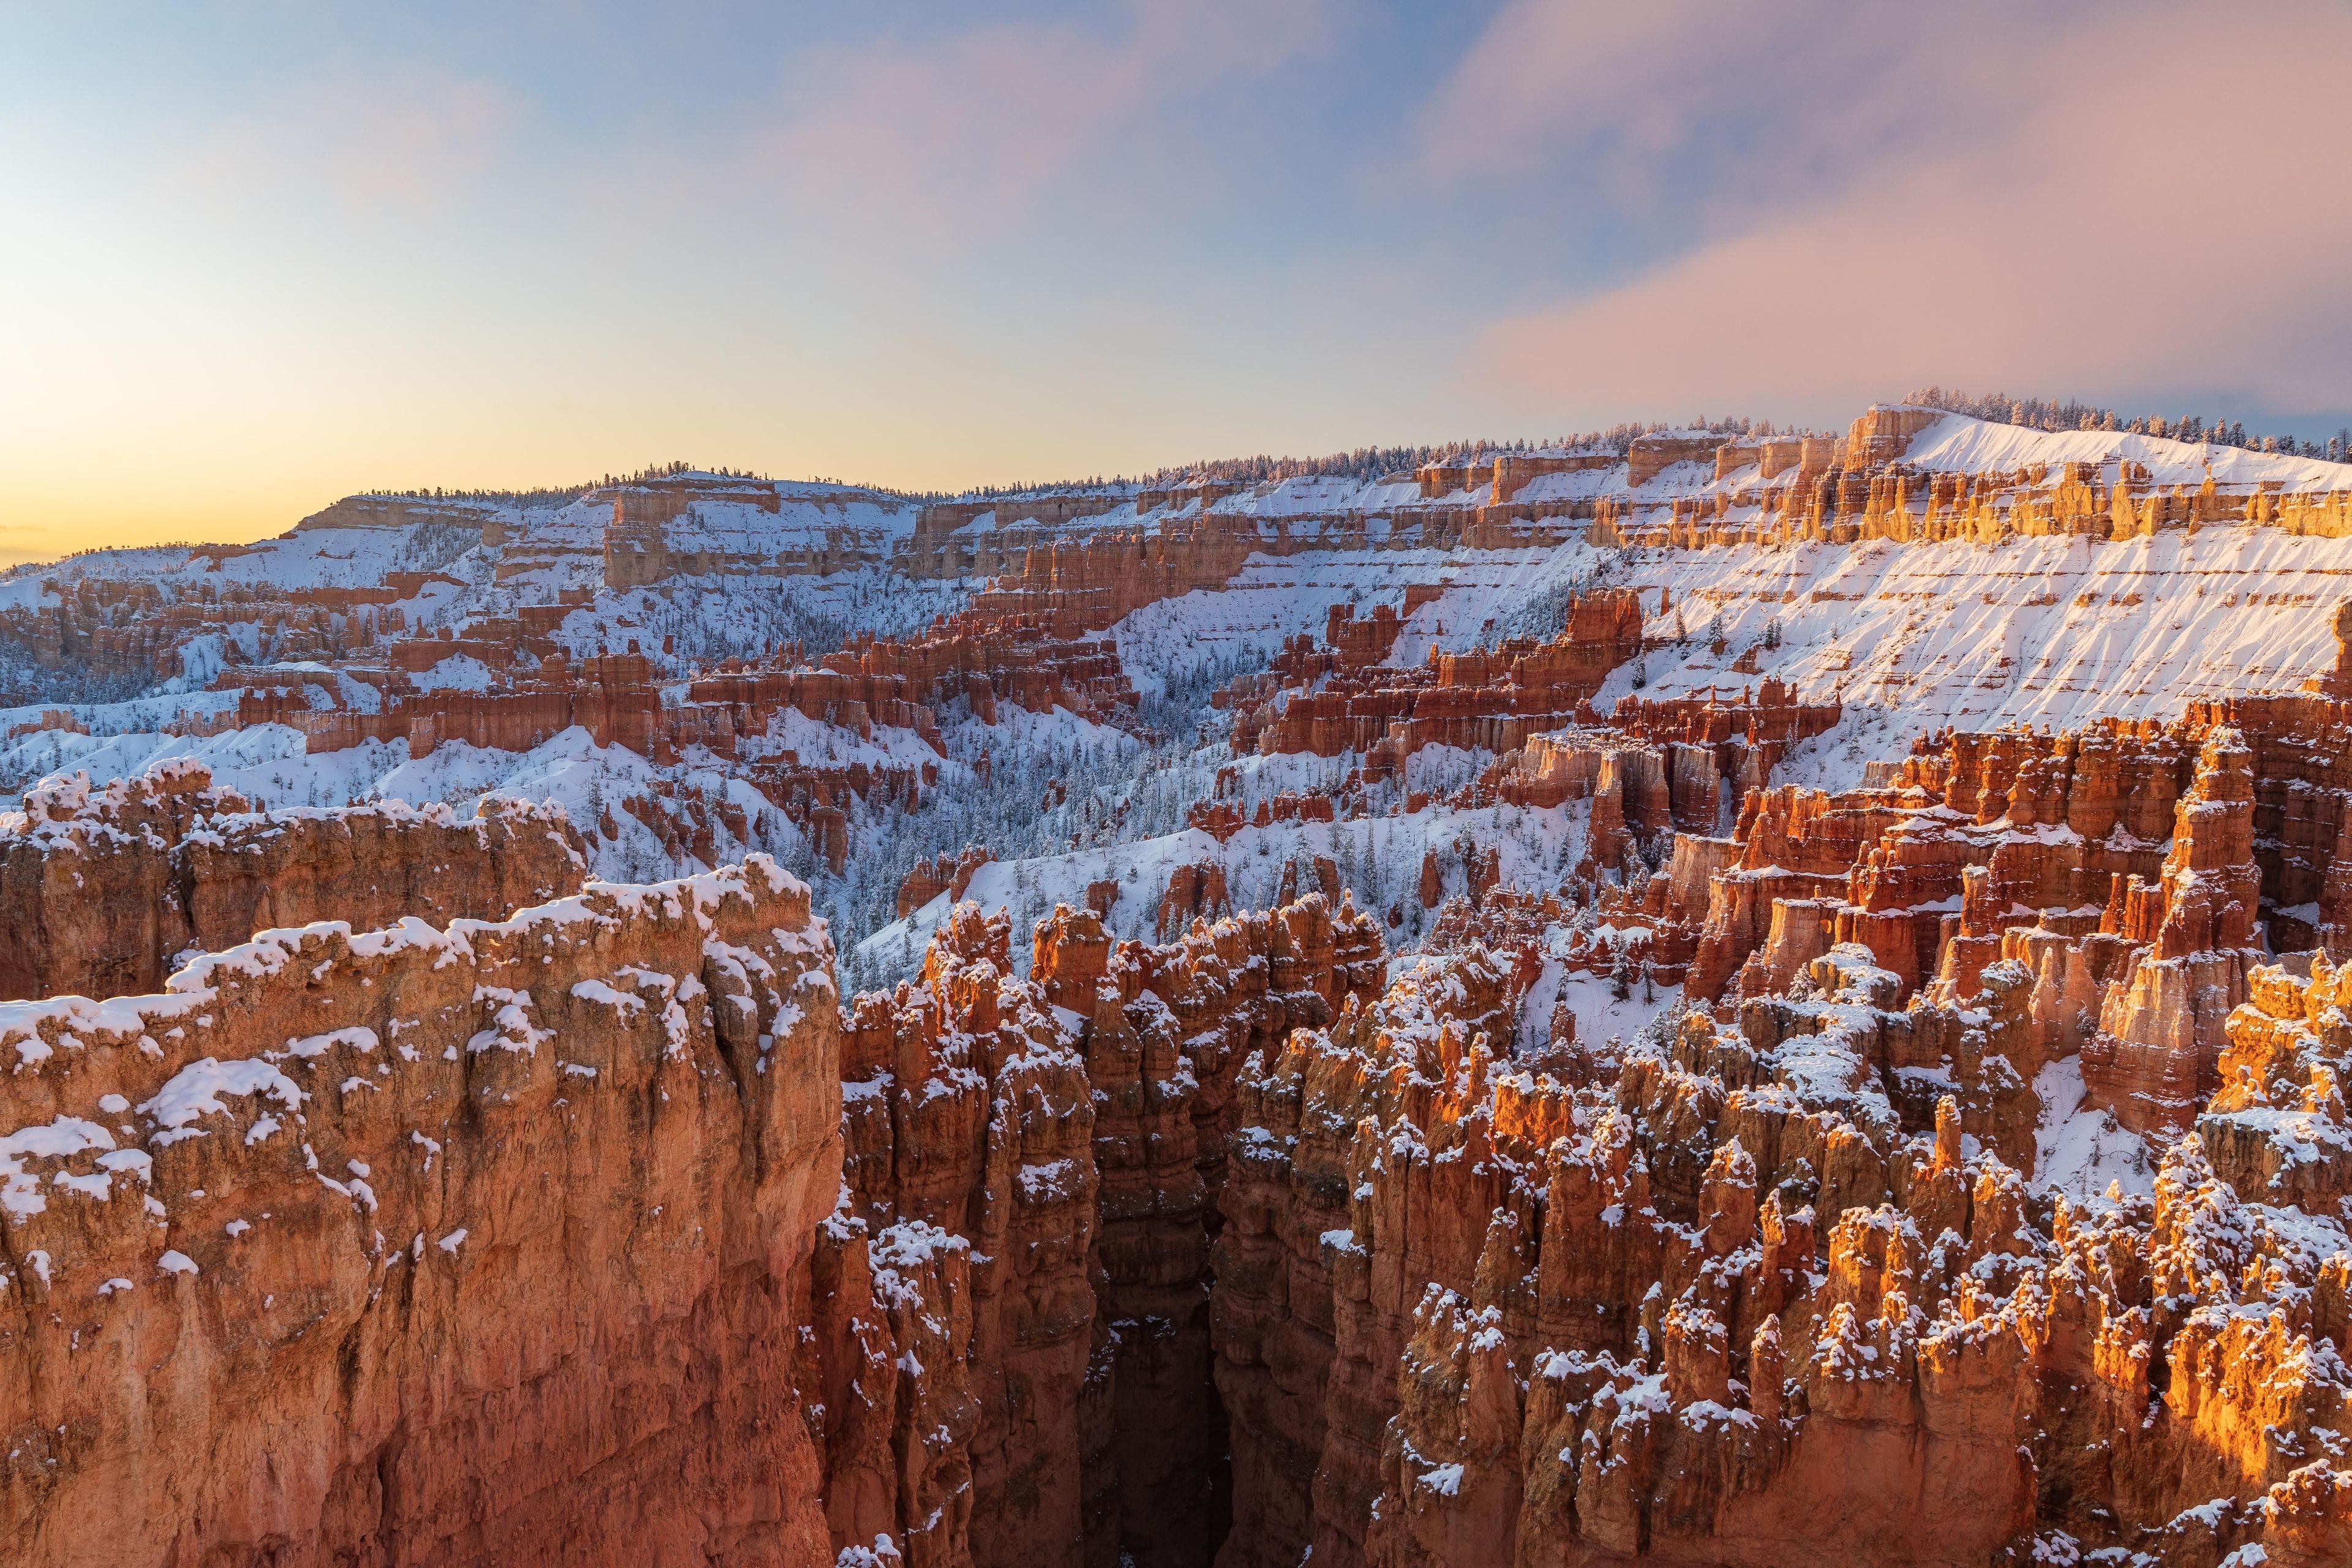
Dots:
{"x": 401, "y": 138}
{"x": 981, "y": 126}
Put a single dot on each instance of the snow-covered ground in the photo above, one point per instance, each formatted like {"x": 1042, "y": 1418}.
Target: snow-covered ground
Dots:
{"x": 268, "y": 763}
{"x": 1958, "y": 444}
{"x": 1908, "y": 638}
{"x": 1379, "y": 860}
{"x": 2081, "y": 1152}
{"x": 2057, "y": 631}
{"x": 1601, "y": 1013}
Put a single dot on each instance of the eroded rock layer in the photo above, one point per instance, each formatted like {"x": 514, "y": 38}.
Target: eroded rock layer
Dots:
{"x": 482, "y": 1243}
{"x": 104, "y": 888}
{"x": 1028, "y": 1192}
{"x": 1728, "y": 1310}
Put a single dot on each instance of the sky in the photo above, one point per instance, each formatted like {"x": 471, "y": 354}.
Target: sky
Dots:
{"x": 258, "y": 254}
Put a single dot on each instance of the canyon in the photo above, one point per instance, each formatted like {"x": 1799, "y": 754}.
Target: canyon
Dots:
{"x": 1714, "y": 996}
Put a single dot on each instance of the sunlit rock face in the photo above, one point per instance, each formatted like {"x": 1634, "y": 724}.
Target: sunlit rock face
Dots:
{"x": 1726, "y": 1310}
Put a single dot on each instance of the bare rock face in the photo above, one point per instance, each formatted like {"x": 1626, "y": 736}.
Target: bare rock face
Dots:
{"x": 481, "y": 1243}
{"x": 969, "y": 1113}
{"x": 1196, "y": 892}
{"x": 2277, "y": 1131}
{"x": 1775, "y": 1287}
{"x": 1030, "y": 1192}
{"x": 1328, "y": 703}
{"x": 105, "y": 887}
{"x": 1730, "y": 1309}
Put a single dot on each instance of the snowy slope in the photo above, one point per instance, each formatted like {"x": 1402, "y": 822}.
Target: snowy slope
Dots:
{"x": 2054, "y": 631}
{"x": 1961, "y": 445}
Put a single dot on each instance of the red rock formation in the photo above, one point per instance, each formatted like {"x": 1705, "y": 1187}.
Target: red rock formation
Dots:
{"x": 1195, "y": 891}
{"x": 927, "y": 880}
{"x": 2157, "y": 1054}
{"x": 1651, "y": 454}
{"x": 940, "y": 548}
{"x": 679, "y": 524}
{"x": 985, "y": 655}
{"x": 1479, "y": 1317}
{"x": 1496, "y": 699}
{"x": 1029, "y": 1176}
{"x": 469, "y": 1245}
{"x": 2276, "y": 1131}
{"x": 106, "y": 887}
{"x": 968, "y": 1111}
{"x": 1079, "y": 586}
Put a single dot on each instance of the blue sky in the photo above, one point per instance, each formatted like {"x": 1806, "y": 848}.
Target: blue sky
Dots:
{"x": 265, "y": 254}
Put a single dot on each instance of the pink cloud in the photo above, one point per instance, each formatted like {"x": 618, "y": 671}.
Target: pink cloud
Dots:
{"x": 1721, "y": 103}
{"x": 2155, "y": 203}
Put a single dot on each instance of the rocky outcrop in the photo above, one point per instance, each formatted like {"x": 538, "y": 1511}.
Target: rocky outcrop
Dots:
{"x": 1492, "y": 699}
{"x": 1030, "y": 1183}
{"x": 107, "y": 887}
{"x": 1729, "y": 1310}
{"x": 1195, "y": 891}
{"x": 2156, "y": 1056}
{"x": 927, "y": 880}
{"x": 1080, "y": 585}
{"x": 475, "y": 1243}
{"x": 967, "y": 1111}
{"x": 701, "y": 524}
{"x": 984, "y": 657}
{"x": 2276, "y": 1131}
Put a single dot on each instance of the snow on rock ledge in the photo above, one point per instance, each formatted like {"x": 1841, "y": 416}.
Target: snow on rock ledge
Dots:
{"x": 240, "y": 1325}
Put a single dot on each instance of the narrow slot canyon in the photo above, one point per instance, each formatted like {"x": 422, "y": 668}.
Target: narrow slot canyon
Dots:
{"x": 1056, "y": 1149}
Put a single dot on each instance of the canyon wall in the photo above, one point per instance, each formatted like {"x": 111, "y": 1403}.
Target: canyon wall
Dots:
{"x": 106, "y": 887}
{"x": 484, "y": 1243}
{"x": 1029, "y": 1191}
{"x": 1328, "y": 703}
{"x": 549, "y": 1238}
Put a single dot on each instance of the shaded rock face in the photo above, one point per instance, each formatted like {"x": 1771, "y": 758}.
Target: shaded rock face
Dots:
{"x": 1028, "y": 1196}
{"x": 105, "y": 887}
{"x": 475, "y": 1244}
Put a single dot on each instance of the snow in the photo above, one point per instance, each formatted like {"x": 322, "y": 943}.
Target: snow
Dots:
{"x": 1599, "y": 1016}
{"x": 2079, "y": 1151}
{"x": 1379, "y": 859}
{"x": 196, "y": 1091}
{"x": 1956, "y": 443}
{"x": 1270, "y": 600}
{"x": 2057, "y": 631}
{"x": 20, "y": 1191}
{"x": 459, "y": 672}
